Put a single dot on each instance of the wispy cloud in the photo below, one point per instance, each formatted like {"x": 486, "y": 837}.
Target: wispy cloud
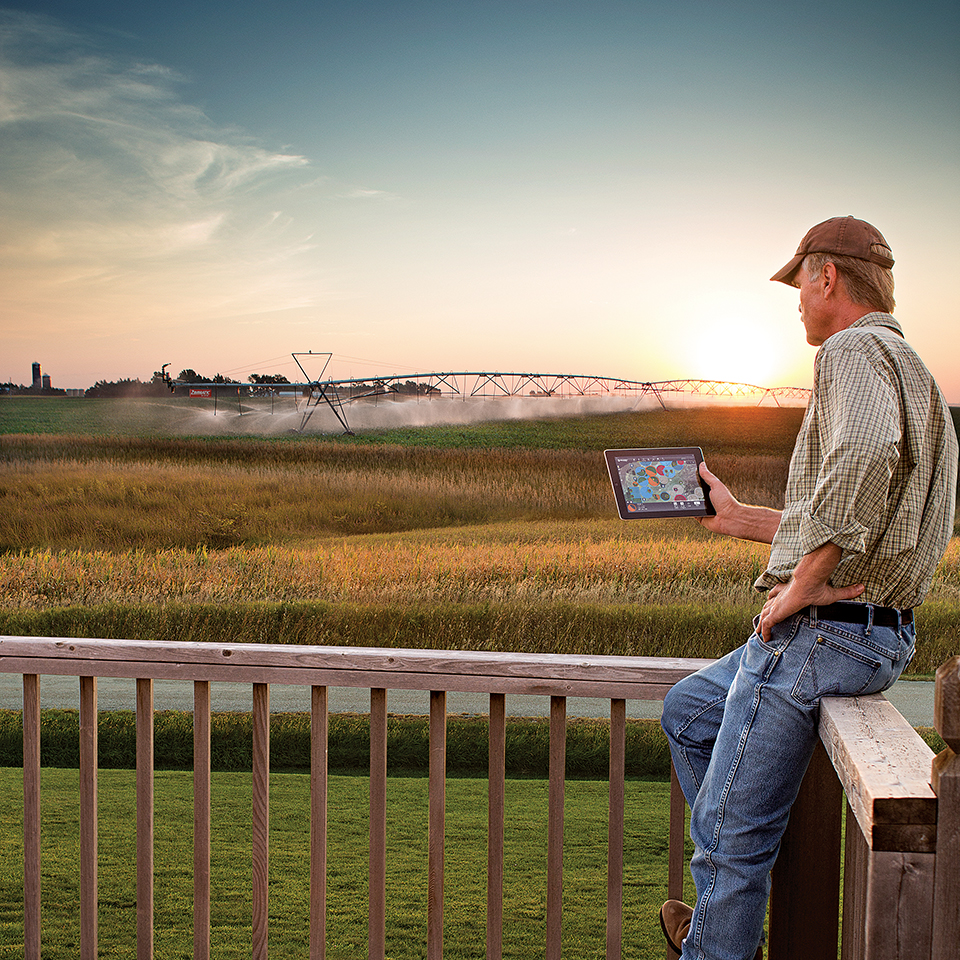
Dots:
{"x": 113, "y": 187}
{"x": 360, "y": 193}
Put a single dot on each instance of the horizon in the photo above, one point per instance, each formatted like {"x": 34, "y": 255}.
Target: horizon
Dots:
{"x": 421, "y": 377}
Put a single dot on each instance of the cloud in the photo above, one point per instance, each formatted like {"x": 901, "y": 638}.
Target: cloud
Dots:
{"x": 362, "y": 193}
{"x": 113, "y": 188}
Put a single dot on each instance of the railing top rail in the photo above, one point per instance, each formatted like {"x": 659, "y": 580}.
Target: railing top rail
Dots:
{"x": 884, "y": 767}
{"x": 464, "y": 670}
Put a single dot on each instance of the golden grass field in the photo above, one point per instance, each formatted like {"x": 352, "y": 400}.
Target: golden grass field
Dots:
{"x": 357, "y": 540}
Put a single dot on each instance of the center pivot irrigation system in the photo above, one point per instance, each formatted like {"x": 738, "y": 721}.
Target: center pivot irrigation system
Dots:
{"x": 314, "y": 392}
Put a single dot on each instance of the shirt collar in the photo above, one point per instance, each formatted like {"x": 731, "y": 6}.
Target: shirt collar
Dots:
{"x": 878, "y": 319}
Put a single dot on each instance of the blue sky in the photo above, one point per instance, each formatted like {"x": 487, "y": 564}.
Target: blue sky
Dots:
{"x": 598, "y": 188}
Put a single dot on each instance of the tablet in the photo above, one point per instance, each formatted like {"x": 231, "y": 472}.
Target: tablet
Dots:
{"x": 658, "y": 482}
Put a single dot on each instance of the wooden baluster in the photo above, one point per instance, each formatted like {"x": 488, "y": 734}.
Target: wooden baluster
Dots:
{"x": 495, "y": 815}
{"x": 144, "y": 819}
{"x": 31, "y": 816}
{"x": 378, "y": 825}
{"x": 618, "y": 742}
{"x": 319, "y": 735}
{"x": 804, "y": 919}
{"x": 676, "y": 851}
{"x": 261, "y": 819}
{"x": 201, "y": 820}
{"x": 558, "y": 762}
{"x": 946, "y": 784}
{"x": 89, "y": 897}
{"x": 437, "y": 813}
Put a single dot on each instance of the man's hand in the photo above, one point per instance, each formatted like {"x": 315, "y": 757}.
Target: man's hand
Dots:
{"x": 736, "y": 519}
{"x": 809, "y": 586}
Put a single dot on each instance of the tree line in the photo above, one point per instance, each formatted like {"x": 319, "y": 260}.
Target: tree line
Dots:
{"x": 161, "y": 384}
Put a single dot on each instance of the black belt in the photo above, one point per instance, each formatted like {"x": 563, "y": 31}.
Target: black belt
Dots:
{"x": 860, "y": 613}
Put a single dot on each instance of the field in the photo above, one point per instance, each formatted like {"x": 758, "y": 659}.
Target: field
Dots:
{"x": 497, "y": 536}
{"x": 500, "y": 535}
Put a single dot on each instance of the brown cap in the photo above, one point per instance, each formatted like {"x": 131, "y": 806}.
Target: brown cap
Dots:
{"x": 844, "y": 236}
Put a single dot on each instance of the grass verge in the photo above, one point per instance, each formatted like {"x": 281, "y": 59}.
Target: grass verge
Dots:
{"x": 645, "y": 850}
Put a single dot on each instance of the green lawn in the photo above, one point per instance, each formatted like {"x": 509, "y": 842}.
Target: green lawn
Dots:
{"x": 465, "y": 910}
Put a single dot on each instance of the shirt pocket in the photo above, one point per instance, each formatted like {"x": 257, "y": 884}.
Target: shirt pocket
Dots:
{"x": 903, "y": 531}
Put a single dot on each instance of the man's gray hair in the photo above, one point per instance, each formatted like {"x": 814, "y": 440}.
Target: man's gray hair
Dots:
{"x": 866, "y": 283}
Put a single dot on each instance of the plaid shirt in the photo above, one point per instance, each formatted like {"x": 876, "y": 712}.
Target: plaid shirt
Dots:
{"x": 874, "y": 469}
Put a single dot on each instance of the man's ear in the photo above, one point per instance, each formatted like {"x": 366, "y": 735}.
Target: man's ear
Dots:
{"x": 829, "y": 280}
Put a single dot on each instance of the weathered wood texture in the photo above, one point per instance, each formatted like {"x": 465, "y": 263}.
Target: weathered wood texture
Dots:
{"x": 887, "y": 909}
{"x": 883, "y": 767}
{"x": 855, "y": 857}
{"x": 462, "y": 671}
{"x": 946, "y": 782}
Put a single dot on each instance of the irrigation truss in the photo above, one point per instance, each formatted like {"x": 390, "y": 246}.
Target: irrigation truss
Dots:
{"x": 337, "y": 394}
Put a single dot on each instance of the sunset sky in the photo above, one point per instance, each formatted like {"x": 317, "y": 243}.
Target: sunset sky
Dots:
{"x": 595, "y": 187}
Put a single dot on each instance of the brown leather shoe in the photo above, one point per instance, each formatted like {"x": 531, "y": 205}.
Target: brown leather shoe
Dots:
{"x": 675, "y": 918}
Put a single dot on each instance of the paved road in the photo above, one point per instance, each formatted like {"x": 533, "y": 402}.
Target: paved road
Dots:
{"x": 913, "y": 698}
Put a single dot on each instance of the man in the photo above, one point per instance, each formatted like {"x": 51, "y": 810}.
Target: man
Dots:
{"x": 868, "y": 514}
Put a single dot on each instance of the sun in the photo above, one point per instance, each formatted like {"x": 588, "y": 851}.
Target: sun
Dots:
{"x": 748, "y": 342}
{"x": 736, "y": 360}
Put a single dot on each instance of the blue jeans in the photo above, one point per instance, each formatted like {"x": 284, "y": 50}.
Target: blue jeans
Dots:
{"x": 742, "y": 732}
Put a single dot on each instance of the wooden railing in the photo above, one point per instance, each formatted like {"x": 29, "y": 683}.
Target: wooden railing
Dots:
{"x": 894, "y": 822}
{"x": 901, "y": 853}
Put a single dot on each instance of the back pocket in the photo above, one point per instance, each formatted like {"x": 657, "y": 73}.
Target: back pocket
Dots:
{"x": 838, "y": 667}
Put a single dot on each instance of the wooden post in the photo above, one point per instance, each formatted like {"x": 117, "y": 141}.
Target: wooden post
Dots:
{"x": 495, "y": 816}
{"x": 145, "y": 819}
{"x": 883, "y": 765}
{"x": 437, "y": 804}
{"x": 804, "y": 920}
{"x": 31, "y": 816}
{"x": 945, "y": 780}
{"x": 260, "y": 833}
{"x": 319, "y": 737}
{"x": 377, "y": 911}
{"x": 201, "y": 820}
{"x": 558, "y": 764}
{"x": 89, "y": 898}
{"x": 615, "y": 828}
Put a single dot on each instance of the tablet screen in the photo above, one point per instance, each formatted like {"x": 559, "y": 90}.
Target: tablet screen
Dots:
{"x": 658, "y": 482}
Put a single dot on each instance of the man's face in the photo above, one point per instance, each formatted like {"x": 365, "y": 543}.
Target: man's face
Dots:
{"x": 813, "y": 307}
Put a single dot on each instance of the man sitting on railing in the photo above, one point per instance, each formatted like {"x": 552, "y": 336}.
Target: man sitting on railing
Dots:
{"x": 868, "y": 514}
